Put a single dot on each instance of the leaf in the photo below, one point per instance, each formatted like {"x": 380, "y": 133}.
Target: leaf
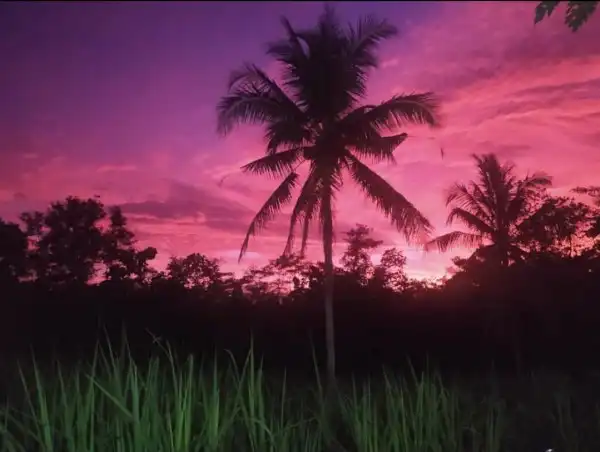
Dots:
{"x": 275, "y": 165}
{"x": 281, "y": 196}
{"x": 403, "y": 214}
{"x": 452, "y": 239}
{"x": 544, "y": 9}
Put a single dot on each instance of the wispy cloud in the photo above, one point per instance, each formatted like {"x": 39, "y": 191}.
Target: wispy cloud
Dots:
{"x": 116, "y": 168}
{"x": 529, "y": 93}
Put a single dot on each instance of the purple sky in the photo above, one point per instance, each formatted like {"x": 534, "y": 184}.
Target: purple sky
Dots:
{"x": 118, "y": 99}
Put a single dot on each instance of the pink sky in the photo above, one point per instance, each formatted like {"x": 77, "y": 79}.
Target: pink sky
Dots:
{"x": 94, "y": 109}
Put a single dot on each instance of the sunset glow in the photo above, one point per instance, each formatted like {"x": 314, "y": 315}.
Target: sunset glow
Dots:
{"x": 118, "y": 100}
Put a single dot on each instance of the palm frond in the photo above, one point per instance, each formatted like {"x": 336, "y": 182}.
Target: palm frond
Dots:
{"x": 470, "y": 220}
{"x": 252, "y": 74}
{"x": 289, "y": 128}
{"x": 536, "y": 180}
{"x": 470, "y": 199}
{"x": 328, "y": 84}
{"x": 280, "y": 197}
{"x": 453, "y": 239}
{"x": 255, "y": 98}
{"x": 486, "y": 203}
{"x": 378, "y": 148}
{"x": 326, "y": 66}
{"x": 360, "y": 51}
{"x": 403, "y": 215}
{"x": 329, "y": 24}
{"x": 275, "y": 165}
{"x": 524, "y": 193}
{"x": 309, "y": 215}
{"x": 285, "y": 134}
{"x": 396, "y": 112}
{"x": 247, "y": 105}
{"x": 496, "y": 181}
{"x": 400, "y": 110}
{"x": 304, "y": 208}
{"x": 288, "y": 51}
{"x": 365, "y": 37}
{"x": 311, "y": 65}
{"x": 593, "y": 191}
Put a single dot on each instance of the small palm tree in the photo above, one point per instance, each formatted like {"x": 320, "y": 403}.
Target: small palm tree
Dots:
{"x": 314, "y": 117}
{"x": 492, "y": 208}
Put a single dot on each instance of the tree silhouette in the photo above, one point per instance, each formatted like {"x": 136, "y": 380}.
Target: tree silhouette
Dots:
{"x": 13, "y": 253}
{"x": 120, "y": 257}
{"x": 594, "y": 192}
{"x": 281, "y": 276}
{"x": 578, "y": 12}
{"x": 557, "y": 226}
{"x": 389, "y": 273}
{"x": 543, "y": 306}
{"x": 194, "y": 271}
{"x": 356, "y": 259}
{"x": 69, "y": 244}
{"x": 67, "y": 241}
{"x": 315, "y": 117}
{"x": 492, "y": 208}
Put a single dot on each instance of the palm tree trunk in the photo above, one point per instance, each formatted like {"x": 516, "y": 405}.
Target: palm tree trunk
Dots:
{"x": 329, "y": 279}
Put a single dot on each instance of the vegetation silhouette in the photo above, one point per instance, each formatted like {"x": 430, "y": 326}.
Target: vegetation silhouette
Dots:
{"x": 73, "y": 279}
{"x": 492, "y": 208}
{"x": 315, "y": 118}
{"x": 577, "y": 14}
{"x": 74, "y": 273}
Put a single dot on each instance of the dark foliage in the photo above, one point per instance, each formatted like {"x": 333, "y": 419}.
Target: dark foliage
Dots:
{"x": 577, "y": 14}
{"x": 69, "y": 279}
{"x": 316, "y": 118}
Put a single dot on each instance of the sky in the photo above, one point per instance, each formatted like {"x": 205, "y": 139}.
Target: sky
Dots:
{"x": 117, "y": 99}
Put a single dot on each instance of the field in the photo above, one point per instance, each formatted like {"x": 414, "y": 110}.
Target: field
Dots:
{"x": 172, "y": 404}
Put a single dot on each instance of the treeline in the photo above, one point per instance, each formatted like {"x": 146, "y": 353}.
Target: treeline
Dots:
{"x": 74, "y": 273}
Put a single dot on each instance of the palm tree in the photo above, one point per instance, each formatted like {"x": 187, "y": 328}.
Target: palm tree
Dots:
{"x": 314, "y": 117}
{"x": 492, "y": 208}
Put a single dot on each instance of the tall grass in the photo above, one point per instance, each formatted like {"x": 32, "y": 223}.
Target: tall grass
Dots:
{"x": 113, "y": 403}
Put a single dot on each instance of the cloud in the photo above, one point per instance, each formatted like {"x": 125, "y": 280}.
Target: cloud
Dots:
{"x": 208, "y": 207}
{"x": 116, "y": 168}
{"x": 507, "y": 151}
{"x": 471, "y": 42}
{"x": 392, "y": 62}
{"x": 530, "y": 94}
{"x": 200, "y": 219}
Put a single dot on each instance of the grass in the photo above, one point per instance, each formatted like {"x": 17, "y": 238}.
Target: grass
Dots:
{"x": 169, "y": 405}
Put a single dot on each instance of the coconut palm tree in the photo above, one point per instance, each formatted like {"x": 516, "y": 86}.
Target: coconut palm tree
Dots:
{"x": 492, "y": 208}
{"x": 315, "y": 119}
